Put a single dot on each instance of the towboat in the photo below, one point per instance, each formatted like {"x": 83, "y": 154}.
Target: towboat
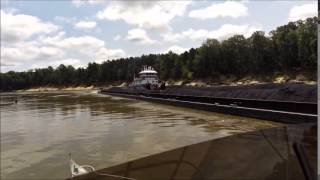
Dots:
{"x": 147, "y": 78}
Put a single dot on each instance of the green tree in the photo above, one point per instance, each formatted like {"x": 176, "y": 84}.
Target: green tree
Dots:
{"x": 263, "y": 57}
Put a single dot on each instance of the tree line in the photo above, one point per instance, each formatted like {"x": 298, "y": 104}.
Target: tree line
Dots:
{"x": 291, "y": 48}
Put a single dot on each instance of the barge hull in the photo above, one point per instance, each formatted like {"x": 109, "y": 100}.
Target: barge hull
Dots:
{"x": 265, "y": 114}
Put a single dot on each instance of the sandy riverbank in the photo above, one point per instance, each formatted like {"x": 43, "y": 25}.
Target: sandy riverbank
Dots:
{"x": 221, "y": 81}
{"x": 70, "y": 88}
{"x": 248, "y": 80}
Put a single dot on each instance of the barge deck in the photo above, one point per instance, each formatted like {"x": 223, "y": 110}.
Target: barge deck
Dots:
{"x": 274, "y": 110}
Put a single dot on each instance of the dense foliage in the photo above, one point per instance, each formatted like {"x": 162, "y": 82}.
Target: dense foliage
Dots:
{"x": 290, "y": 48}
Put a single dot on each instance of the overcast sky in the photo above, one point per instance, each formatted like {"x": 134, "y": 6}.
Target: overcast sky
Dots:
{"x": 37, "y": 34}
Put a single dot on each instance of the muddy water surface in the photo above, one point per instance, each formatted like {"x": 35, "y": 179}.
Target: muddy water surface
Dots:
{"x": 39, "y": 132}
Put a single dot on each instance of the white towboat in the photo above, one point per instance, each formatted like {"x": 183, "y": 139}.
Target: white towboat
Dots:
{"x": 148, "y": 78}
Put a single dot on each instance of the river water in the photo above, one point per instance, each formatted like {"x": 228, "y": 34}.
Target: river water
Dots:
{"x": 39, "y": 132}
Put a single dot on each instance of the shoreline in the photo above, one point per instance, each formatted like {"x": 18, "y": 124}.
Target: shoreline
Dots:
{"x": 186, "y": 83}
{"x": 51, "y": 88}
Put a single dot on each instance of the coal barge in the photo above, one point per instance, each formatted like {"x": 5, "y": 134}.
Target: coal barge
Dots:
{"x": 286, "y": 103}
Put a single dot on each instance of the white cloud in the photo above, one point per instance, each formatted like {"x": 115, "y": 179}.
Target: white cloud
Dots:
{"x": 24, "y": 53}
{"x": 27, "y": 42}
{"x": 19, "y": 27}
{"x": 29, "y": 50}
{"x": 226, "y": 9}
{"x": 188, "y": 34}
{"x": 150, "y": 15}
{"x": 224, "y": 32}
{"x": 85, "y": 25}
{"x": 85, "y": 45}
{"x": 117, "y": 38}
{"x": 139, "y": 36}
{"x": 107, "y": 54}
{"x": 76, "y": 63}
{"x": 79, "y": 3}
{"x": 176, "y": 49}
{"x": 81, "y": 44}
{"x": 303, "y": 11}
{"x": 228, "y": 30}
{"x": 70, "y": 61}
{"x": 56, "y": 50}
{"x": 62, "y": 19}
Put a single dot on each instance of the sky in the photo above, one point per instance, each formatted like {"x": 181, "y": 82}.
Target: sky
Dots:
{"x": 37, "y": 34}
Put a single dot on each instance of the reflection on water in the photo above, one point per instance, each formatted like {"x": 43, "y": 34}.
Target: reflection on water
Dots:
{"x": 38, "y": 133}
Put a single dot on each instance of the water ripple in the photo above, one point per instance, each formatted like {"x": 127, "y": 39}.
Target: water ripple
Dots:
{"x": 38, "y": 133}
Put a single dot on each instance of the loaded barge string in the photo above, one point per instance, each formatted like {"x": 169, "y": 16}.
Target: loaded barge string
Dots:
{"x": 148, "y": 87}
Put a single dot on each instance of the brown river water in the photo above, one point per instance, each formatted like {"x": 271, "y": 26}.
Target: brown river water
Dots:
{"x": 39, "y": 132}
